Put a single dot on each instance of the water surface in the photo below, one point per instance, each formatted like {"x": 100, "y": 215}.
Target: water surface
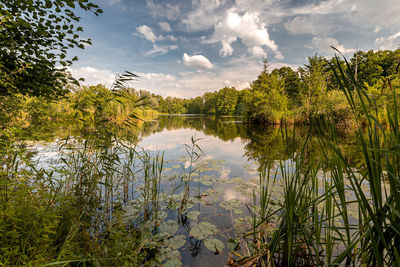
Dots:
{"x": 232, "y": 152}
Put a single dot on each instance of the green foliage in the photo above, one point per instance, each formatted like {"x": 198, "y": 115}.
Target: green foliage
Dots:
{"x": 291, "y": 81}
{"x": 171, "y": 105}
{"x": 34, "y": 38}
{"x": 314, "y": 87}
{"x": 266, "y": 101}
{"x": 226, "y": 101}
{"x": 378, "y": 230}
{"x": 210, "y": 103}
{"x": 375, "y": 65}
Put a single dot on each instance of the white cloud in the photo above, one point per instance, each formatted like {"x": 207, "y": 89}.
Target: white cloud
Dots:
{"x": 197, "y": 62}
{"x": 161, "y": 49}
{"x": 93, "y": 76}
{"x": 164, "y": 26}
{"x": 147, "y": 33}
{"x": 205, "y": 14}
{"x": 389, "y": 43}
{"x": 168, "y": 11}
{"x": 309, "y": 25}
{"x": 249, "y": 28}
{"x": 258, "y": 51}
{"x": 330, "y": 16}
{"x": 171, "y": 38}
{"x": 323, "y": 45}
{"x": 157, "y": 76}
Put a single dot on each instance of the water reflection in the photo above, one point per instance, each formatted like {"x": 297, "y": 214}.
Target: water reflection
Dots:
{"x": 263, "y": 144}
{"x": 233, "y": 151}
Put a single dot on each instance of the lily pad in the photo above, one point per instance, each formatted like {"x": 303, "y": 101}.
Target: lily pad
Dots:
{"x": 193, "y": 215}
{"x": 203, "y": 230}
{"x": 176, "y": 242}
{"x": 213, "y": 244}
{"x": 206, "y": 182}
{"x": 172, "y": 263}
{"x": 169, "y": 227}
{"x": 231, "y": 204}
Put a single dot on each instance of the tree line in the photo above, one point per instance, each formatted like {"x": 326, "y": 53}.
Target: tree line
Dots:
{"x": 303, "y": 95}
{"x": 308, "y": 93}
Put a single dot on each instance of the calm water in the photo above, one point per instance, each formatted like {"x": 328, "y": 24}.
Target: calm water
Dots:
{"x": 228, "y": 169}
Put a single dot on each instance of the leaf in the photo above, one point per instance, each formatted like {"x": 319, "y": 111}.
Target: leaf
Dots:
{"x": 205, "y": 182}
{"x": 232, "y": 244}
{"x": 214, "y": 244}
{"x": 193, "y": 215}
{"x": 232, "y": 205}
{"x": 172, "y": 263}
{"x": 203, "y": 230}
{"x": 169, "y": 227}
{"x": 176, "y": 242}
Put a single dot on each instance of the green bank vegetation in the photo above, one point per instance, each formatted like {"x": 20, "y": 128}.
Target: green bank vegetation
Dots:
{"x": 302, "y": 96}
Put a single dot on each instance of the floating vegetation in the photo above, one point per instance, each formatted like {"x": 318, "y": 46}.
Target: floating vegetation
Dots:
{"x": 214, "y": 245}
{"x": 232, "y": 205}
{"x": 202, "y": 230}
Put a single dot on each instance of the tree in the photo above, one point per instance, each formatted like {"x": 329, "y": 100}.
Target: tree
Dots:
{"x": 195, "y": 105}
{"x": 372, "y": 65}
{"x": 291, "y": 81}
{"x": 314, "y": 87}
{"x": 209, "y": 103}
{"x": 35, "y": 36}
{"x": 226, "y": 101}
{"x": 266, "y": 101}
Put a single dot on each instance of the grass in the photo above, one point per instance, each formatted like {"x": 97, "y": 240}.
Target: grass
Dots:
{"x": 342, "y": 216}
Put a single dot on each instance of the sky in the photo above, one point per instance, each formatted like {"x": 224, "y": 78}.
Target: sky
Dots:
{"x": 184, "y": 48}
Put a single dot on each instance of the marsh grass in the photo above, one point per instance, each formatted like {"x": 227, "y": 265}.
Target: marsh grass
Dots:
{"x": 74, "y": 213}
{"x": 330, "y": 213}
{"x": 378, "y": 230}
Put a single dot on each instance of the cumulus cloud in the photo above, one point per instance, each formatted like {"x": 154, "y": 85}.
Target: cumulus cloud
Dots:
{"x": 164, "y": 26}
{"x": 197, "y": 62}
{"x": 168, "y": 11}
{"x": 93, "y": 76}
{"x": 323, "y": 45}
{"x": 390, "y": 42}
{"x": 249, "y": 28}
{"x": 204, "y": 15}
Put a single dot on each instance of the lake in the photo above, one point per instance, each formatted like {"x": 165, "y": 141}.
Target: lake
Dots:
{"x": 221, "y": 186}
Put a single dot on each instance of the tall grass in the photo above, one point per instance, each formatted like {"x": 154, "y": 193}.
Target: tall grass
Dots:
{"x": 73, "y": 213}
{"x": 330, "y": 213}
{"x": 378, "y": 235}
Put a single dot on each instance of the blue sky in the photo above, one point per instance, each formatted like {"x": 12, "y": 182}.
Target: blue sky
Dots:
{"x": 185, "y": 48}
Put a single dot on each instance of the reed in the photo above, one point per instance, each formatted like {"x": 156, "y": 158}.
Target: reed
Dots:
{"x": 330, "y": 213}
{"x": 378, "y": 229}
